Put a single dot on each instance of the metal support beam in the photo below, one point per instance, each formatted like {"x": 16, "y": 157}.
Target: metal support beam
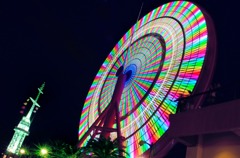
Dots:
{"x": 104, "y": 123}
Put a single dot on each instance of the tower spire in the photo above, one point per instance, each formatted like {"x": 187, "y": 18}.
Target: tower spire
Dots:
{"x": 40, "y": 91}
{"x": 22, "y": 130}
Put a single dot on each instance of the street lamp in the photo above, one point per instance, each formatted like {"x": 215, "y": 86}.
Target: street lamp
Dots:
{"x": 22, "y": 151}
{"x": 43, "y": 151}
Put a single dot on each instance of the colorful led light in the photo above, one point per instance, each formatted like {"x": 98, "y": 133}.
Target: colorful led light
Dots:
{"x": 163, "y": 54}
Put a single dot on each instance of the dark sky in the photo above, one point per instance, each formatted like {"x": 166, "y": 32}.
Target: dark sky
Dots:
{"x": 64, "y": 44}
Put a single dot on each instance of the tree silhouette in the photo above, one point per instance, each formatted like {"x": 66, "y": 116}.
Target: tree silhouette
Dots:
{"x": 102, "y": 148}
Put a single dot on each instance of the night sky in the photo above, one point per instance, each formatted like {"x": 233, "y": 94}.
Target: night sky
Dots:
{"x": 64, "y": 43}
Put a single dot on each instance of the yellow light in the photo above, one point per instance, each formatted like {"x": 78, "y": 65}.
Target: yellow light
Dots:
{"x": 22, "y": 151}
{"x": 44, "y": 151}
{"x": 225, "y": 154}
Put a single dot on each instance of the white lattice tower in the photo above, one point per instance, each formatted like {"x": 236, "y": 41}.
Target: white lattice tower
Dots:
{"x": 22, "y": 129}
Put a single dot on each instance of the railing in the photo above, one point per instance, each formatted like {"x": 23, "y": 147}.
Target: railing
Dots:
{"x": 216, "y": 94}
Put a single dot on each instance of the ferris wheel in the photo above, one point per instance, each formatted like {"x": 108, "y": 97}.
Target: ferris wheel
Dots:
{"x": 136, "y": 89}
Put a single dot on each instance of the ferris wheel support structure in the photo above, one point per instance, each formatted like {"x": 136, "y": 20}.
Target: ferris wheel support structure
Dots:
{"x": 104, "y": 124}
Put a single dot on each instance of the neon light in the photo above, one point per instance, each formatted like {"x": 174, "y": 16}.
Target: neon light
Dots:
{"x": 165, "y": 57}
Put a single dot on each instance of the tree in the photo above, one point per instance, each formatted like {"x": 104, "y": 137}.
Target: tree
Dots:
{"x": 101, "y": 148}
{"x": 61, "y": 149}
{"x": 56, "y": 149}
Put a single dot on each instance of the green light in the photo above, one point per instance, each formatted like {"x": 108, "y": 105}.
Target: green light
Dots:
{"x": 43, "y": 150}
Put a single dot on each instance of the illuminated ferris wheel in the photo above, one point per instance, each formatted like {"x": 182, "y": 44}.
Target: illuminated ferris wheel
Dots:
{"x": 158, "y": 60}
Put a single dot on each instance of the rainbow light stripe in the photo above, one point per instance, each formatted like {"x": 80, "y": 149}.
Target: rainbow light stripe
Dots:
{"x": 165, "y": 52}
